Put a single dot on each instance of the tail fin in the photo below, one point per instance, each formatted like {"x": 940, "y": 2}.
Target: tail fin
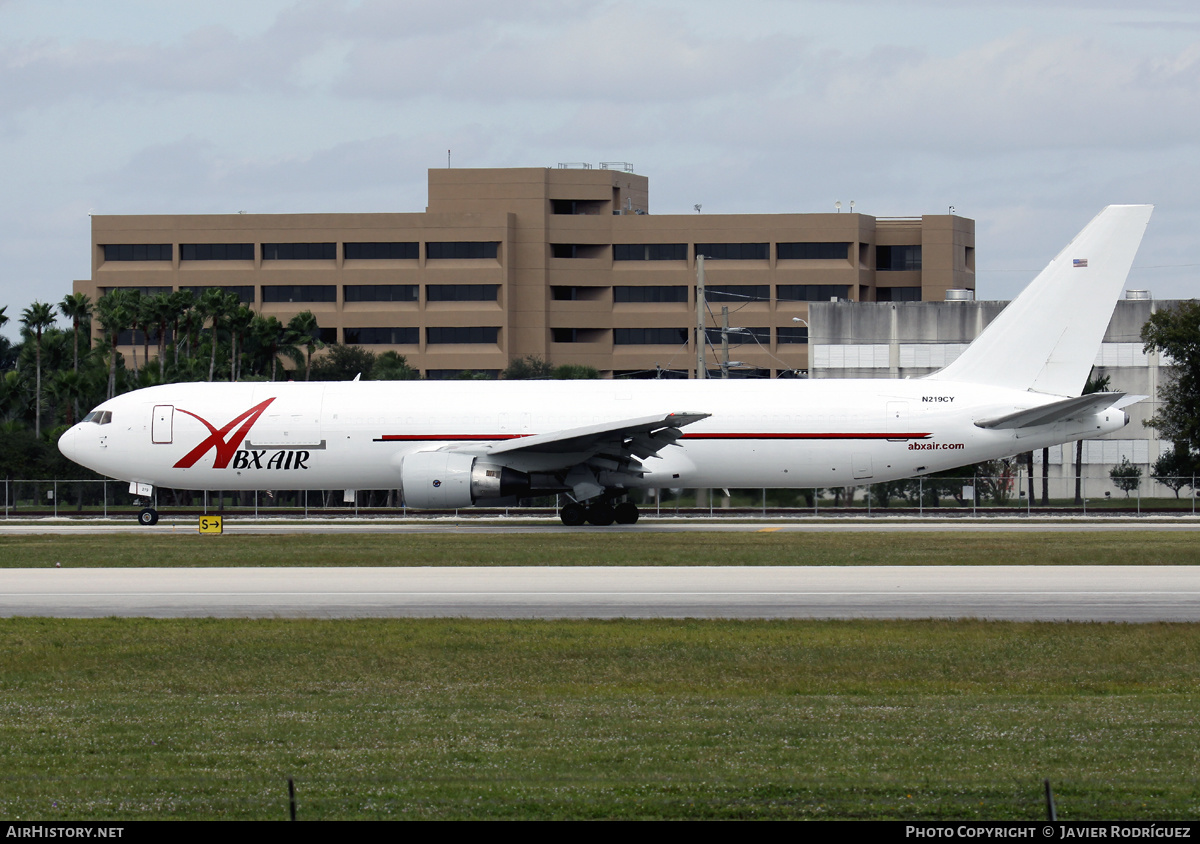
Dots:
{"x": 1047, "y": 338}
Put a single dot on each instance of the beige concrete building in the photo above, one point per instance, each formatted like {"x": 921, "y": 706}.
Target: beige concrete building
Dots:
{"x": 567, "y": 264}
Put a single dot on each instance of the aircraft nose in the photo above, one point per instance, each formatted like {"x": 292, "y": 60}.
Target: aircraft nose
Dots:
{"x": 66, "y": 443}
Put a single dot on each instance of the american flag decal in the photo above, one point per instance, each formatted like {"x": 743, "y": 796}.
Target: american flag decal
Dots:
{"x": 1079, "y": 262}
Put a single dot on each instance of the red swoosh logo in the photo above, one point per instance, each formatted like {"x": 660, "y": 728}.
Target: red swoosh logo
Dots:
{"x": 216, "y": 438}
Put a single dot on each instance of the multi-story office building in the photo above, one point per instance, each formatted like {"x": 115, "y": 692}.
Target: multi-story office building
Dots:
{"x": 567, "y": 264}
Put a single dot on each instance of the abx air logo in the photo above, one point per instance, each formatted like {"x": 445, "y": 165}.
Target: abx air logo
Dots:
{"x": 225, "y": 442}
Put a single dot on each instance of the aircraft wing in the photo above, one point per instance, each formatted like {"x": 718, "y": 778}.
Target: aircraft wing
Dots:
{"x": 593, "y": 457}
{"x": 1059, "y": 410}
{"x": 641, "y": 437}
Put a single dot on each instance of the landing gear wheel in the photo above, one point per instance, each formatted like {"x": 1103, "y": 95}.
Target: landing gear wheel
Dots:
{"x": 148, "y": 516}
{"x": 601, "y": 514}
{"x": 572, "y": 514}
{"x": 626, "y": 513}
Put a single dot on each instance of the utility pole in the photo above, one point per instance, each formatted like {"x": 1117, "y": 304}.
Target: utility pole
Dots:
{"x": 700, "y": 305}
{"x": 724, "y": 341}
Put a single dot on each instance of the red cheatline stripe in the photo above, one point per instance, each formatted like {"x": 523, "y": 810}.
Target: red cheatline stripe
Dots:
{"x": 817, "y": 436}
{"x": 725, "y": 436}
{"x": 415, "y": 438}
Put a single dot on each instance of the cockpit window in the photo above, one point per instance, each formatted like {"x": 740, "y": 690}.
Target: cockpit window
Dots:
{"x": 99, "y": 417}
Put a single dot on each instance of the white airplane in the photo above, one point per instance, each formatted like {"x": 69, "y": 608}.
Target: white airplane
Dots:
{"x": 450, "y": 444}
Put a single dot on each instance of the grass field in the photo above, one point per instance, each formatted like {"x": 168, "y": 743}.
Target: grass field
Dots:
{"x": 565, "y": 549}
{"x": 127, "y": 719}
{"x": 469, "y": 719}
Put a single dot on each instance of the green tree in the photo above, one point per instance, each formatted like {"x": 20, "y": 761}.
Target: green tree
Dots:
{"x": 78, "y": 308}
{"x": 343, "y": 363}
{"x": 574, "y": 372}
{"x": 392, "y": 366}
{"x": 1126, "y": 476}
{"x": 307, "y": 334}
{"x": 528, "y": 368}
{"x": 113, "y": 314}
{"x": 36, "y": 319}
{"x": 1176, "y": 332}
{"x": 1175, "y": 469}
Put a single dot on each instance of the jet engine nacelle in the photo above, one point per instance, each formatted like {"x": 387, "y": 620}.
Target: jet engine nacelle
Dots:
{"x": 435, "y": 480}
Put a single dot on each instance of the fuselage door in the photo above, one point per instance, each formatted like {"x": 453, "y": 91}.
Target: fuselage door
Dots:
{"x": 162, "y": 424}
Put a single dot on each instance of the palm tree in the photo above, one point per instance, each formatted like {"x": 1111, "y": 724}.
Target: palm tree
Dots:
{"x": 113, "y": 313}
{"x": 213, "y": 306}
{"x": 36, "y": 318}
{"x": 308, "y": 334}
{"x": 159, "y": 310}
{"x": 77, "y": 307}
{"x": 183, "y": 309}
{"x": 240, "y": 319}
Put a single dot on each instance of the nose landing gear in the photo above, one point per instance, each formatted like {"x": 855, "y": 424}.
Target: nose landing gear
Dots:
{"x": 148, "y": 516}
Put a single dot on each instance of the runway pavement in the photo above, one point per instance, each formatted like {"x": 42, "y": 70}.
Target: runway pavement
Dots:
{"x": 882, "y": 524}
{"x": 1049, "y": 593}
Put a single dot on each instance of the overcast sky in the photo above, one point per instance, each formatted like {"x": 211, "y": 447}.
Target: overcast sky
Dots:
{"x": 1027, "y": 116}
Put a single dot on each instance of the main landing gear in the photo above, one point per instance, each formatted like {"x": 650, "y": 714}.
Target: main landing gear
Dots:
{"x": 599, "y": 513}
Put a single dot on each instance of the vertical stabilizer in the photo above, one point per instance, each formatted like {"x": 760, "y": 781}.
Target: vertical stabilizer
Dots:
{"x": 1047, "y": 338}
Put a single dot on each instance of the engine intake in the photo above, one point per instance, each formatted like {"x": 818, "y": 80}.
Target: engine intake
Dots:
{"x": 435, "y": 480}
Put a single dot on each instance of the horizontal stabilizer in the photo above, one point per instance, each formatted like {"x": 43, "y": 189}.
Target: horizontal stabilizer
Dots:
{"x": 1048, "y": 414}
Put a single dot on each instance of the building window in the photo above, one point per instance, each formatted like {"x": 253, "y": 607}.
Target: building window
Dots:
{"x": 461, "y": 292}
{"x": 145, "y": 291}
{"x": 794, "y": 334}
{"x": 439, "y": 335}
{"x": 565, "y": 293}
{"x": 299, "y": 251}
{"x": 299, "y": 293}
{"x": 578, "y": 335}
{"x": 897, "y": 294}
{"x": 216, "y": 251}
{"x": 897, "y": 258}
{"x": 811, "y": 292}
{"x": 650, "y": 336}
{"x": 138, "y": 252}
{"x": 653, "y": 293}
{"x": 380, "y": 251}
{"x": 737, "y": 292}
{"x": 406, "y": 336}
{"x": 812, "y": 251}
{"x": 245, "y": 292}
{"x": 734, "y": 251}
{"x": 328, "y": 336}
{"x": 379, "y": 293}
{"x": 462, "y": 249}
{"x": 577, "y": 250}
{"x": 650, "y": 251}
{"x": 577, "y": 206}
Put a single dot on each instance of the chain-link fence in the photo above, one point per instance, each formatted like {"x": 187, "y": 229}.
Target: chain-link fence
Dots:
{"x": 969, "y": 495}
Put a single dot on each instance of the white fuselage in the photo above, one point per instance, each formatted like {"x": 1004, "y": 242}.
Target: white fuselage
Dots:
{"x": 354, "y": 435}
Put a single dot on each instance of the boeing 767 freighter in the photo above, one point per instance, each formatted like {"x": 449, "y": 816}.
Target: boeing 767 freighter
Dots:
{"x": 449, "y": 444}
